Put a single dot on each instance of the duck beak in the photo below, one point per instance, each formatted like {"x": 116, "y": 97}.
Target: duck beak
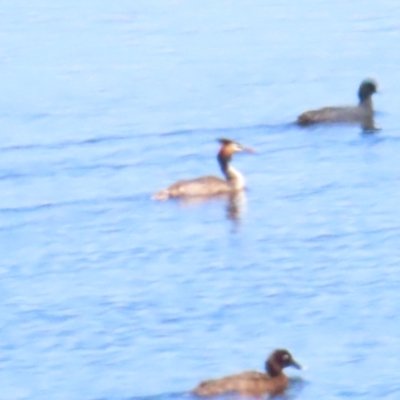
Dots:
{"x": 296, "y": 365}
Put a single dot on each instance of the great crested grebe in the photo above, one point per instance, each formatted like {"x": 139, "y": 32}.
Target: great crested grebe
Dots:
{"x": 211, "y": 185}
{"x": 253, "y": 383}
{"x": 362, "y": 114}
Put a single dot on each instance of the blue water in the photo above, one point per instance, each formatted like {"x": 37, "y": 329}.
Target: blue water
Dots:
{"x": 106, "y": 294}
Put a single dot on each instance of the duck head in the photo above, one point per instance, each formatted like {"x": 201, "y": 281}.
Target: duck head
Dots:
{"x": 278, "y": 360}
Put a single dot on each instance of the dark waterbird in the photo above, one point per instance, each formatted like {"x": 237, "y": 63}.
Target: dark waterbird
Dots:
{"x": 253, "y": 383}
{"x": 362, "y": 114}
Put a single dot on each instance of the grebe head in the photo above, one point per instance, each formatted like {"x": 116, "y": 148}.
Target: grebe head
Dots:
{"x": 229, "y": 147}
{"x": 367, "y": 88}
{"x": 278, "y": 360}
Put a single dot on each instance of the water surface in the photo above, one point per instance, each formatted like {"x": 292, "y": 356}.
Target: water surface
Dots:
{"x": 108, "y": 295}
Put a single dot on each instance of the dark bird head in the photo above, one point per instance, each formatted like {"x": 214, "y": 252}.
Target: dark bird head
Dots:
{"x": 367, "y": 88}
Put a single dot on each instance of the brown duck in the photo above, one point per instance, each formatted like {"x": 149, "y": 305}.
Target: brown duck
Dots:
{"x": 362, "y": 114}
{"x": 211, "y": 185}
{"x": 253, "y": 383}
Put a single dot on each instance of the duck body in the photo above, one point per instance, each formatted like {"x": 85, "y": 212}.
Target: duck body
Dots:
{"x": 248, "y": 384}
{"x": 252, "y": 383}
{"x": 206, "y": 186}
{"x": 362, "y": 113}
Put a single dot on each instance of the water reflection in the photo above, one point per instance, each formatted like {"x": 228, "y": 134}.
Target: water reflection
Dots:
{"x": 296, "y": 385}
{"x": 235, "y": 206}
{"x": 235, "y": 203}
{"x": 368, "y": 125}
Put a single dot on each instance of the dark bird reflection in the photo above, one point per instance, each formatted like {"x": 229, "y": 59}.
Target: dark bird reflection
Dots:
{"x": 368, "y": 125}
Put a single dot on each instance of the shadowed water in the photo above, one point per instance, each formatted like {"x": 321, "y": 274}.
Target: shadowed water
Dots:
{"x": 106, "y": 294}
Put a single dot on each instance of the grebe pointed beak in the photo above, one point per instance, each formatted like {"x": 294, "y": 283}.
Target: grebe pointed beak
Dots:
{"x": 248, "y": 150}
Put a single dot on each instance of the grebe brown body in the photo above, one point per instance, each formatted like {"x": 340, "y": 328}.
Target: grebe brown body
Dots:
{"x": 211, "y": 185}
